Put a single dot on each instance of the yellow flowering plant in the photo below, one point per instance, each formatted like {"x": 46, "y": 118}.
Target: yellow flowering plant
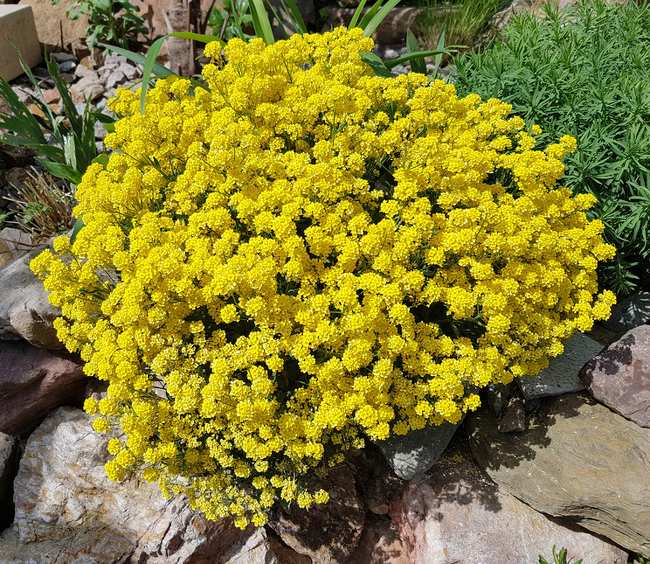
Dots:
{"x": 300, "y": 255}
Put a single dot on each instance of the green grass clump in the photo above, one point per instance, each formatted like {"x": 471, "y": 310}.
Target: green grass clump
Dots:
{"x": 585, "y": 71}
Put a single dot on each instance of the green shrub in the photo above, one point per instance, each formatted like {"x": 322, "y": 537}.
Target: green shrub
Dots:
{"x": 585, "y": 71}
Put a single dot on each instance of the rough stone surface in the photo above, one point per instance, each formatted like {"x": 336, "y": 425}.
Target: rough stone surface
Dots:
{"x": 88, "y": 88}
{"x": 619, "y": 376}
{"x": 68, "y": 511}
{"x": 630, "y": 312}
{"x": 24, "y": 308}
{"x": 326, "y": 533}
{"x": 578, "y": 459}
{"x": 514, "y": 417}
{"x": 380, "y": 543}
{"x": 460, "y": 515}
{"x": 52, "y": 24}
{"x": 562, "y": 376}
{"x": 18, "y": 40}
{"x": 413, "y": 454}
{"x": 13, "y": 244}
{"x": 8, "y": 460}
{"x": 32, "y": 383}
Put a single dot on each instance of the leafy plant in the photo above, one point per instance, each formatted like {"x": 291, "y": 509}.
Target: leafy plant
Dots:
{"x": 585, "y": 71}
{"x": 233, "y": 20}
{"x": 64, "y": 145}
{"x": 559, "y": 557}
{"x": 110, "y": 21}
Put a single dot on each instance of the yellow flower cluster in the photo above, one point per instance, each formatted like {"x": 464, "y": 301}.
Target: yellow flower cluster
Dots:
{"x": 299, "y": 255}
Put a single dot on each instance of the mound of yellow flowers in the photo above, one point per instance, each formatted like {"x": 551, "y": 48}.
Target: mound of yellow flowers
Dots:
{"x": 300, "y": 255}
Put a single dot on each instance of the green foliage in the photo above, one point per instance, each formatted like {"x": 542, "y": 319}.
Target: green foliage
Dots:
{"x": 585, "y": 72}
{"x": 233, "y": 20}
{"x": 64, "y": 145}
{"x": 559, "y": 557}
{"x": 462, "y": 20}
{"x": 110, "y": 21}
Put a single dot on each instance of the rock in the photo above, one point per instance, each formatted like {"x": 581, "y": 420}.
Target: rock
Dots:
{"x": 562, "y": 374}
{"x": 326, "y": 533}
{"x": 129, "y": 70}
{"x": 413, "y": 454}
{"x": 67, "y": 66}
{"x": 381, "y": 543}
{"x": 14, "y": 243}
{"x": 514, "y": 417}
{"x": 376, "y": 482}
{"x": 63, "y": 57}
{"x": 18, "y": 40}
{"x": 8, "y": 467}
{"x": 68, "y": 511}
{"x": 630, "y": 312}
{"x": 496, "y": 397}
{"x": 459, "y": 515}
{"x": 262, "y": 547}
{"x": 114, "y": 78}
{"x": 82, "y": 71}
{"x": 88, "y": 88}
{"x": 24, "y": 308}
{"x": 51, "y": 96}
{"x": 54, "y": 28}
{"x": 32, "y": 383}
{"x": 619, "y": 376}
{"x": 578, "y": 460}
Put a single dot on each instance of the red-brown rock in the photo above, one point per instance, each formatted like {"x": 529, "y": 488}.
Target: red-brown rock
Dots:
{"x": 619, "y": 377}
{"x": 32, "y": 383}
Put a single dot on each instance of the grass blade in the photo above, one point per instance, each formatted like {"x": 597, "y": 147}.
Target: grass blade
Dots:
{"x": 190, "y": 36}
{"x": 149, "y": 62}
{"x": 159, "y": 70}
{"x": 390, "y": 63}
{"x": 370, "y": 14}
{"x": 356, "y": 15}
{"x": 296, "y": 16}
{"x": 379, "y": 17}
{"x": 261, "y": 21}
{"x": 417, "y": 64}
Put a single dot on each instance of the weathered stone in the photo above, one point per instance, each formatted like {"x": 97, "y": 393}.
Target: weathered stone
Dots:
{"x": 14, "y": 243}
{"x": 411, "y": 455}
{"x": 578, "y": 460}
{"x": 25, "y": 310}
{"x": 8, "y": 466}
{"x": 562, "y": 376}
{"x": 514, "y": 417}
{"x": 496, "y": 396}
{"x": 53, "y": 26}
{"x": 630, "y": 312}
{"x": 262, "y": 547}
{"x": 619, "y": 376}
{"x": 68, "y": 511}
{"x": 326, "y": 533}
{"x": 88, "y": 88}
{"x": 51, "y": 96}
{"x": 381, "y": 543}
{"x": 18, "y": 40}
{"x": 32, "y": 383}
{"x": 62, "y": 57}
{"x": 459, "y": 515}
{"x": 114, "y": 78}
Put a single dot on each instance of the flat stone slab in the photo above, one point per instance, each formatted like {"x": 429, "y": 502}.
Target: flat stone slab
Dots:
{"x": 411, "y": 455}
{"x": 562, "y": 376}
{"x": 17, "y": 35}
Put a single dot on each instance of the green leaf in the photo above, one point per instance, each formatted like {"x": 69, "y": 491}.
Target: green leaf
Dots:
{"x": 377, "y": 64}
{"x": 149, "y": 62}
{"x": 102, "y": 159}
{"x": 379, "y": 17}
{"x": 296, "y": 16}
{"x": 69, "y": 108}
{"x": 78, "y": 226}
{"x": 356, "y": 15}
{"x": 261, "y": 22}
{"x": 417, "y": 64}
{"x": 158, "y": 69}
{"x": 370, "y": 14}
{"x": 390, "y": 63}
{"x": 61, "y": 170}
{"x": 200, "y": 37}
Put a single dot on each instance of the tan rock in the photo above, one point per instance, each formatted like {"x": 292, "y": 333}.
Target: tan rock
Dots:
{"x": 13, "y": 244}
{"x": 578, "y": 460}
{"x": 68, "y": 511}
{"x": 17, "y": 39}
{"x": 53, "y": 26}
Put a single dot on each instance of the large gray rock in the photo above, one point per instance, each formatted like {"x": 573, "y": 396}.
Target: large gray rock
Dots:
{"x": 68, "y": 511}
{"x": 25, "y": 311}
{"x": 8, "y": 460}
{"x": 411, "y": 455}
{"x": 630, "y": 312}
{"x": 33, "y": 382}
{"x": 458, "y": 515}
{"x": 579, "y": 460}
{"x": 326, "y": 533}
{"x": 562, "y": 376}
{"x": 13, "y": 244}
{"x": 619, "y": 377}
